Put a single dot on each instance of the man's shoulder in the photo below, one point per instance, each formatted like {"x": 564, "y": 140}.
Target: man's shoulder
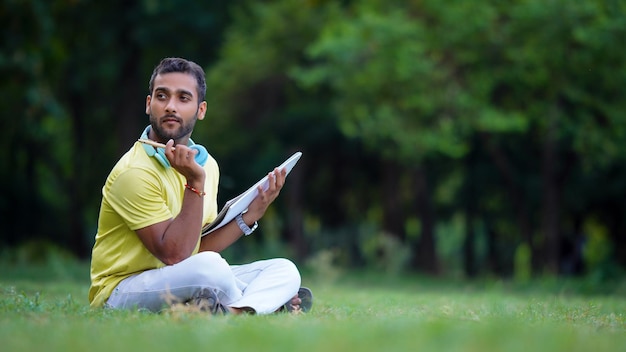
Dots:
{"x": 135, "y": 164}
{"x": 135, "y": 158}
{"x": 211, "y": 163}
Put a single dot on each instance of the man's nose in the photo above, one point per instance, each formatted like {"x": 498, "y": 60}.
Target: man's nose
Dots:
{"x": 171, "y": 106}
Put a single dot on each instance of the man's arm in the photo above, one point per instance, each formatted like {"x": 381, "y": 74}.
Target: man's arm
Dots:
{"x": 223, "y": 237}
{"x": 174, "y": 240}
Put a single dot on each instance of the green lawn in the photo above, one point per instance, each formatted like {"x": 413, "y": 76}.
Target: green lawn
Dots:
{"x": 40, "y": 311}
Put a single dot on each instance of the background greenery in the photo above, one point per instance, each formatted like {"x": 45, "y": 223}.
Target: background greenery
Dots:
{"x": 462, "y": 138}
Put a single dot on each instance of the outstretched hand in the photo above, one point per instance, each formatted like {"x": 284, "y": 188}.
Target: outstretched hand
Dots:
{"x": 260, "y": 204}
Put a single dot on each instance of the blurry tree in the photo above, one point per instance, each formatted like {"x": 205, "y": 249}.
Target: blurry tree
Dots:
{"x": 394, "y": 92}
{"x": 551, "y": 63}
{"x": 35, "y": 148}
{"x": 411, "y": 115}
{"x": 258, "y": 114}
{"x": 417, "y": 80}
{"x": 77, "y": 76}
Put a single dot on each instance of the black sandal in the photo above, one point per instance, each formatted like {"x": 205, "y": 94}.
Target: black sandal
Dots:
{"x": 206, "y": 300}
{"x": 306, "y": 296}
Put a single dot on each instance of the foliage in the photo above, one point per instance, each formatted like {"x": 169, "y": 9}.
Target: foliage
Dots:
{"x": 488, "y": 136}
{"x": 378, "y": 65}
{"x": 77, "y": 76}
{"x": 414, "y": 85}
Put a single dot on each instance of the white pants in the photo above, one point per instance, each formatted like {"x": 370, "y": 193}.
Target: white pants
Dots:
{"x": 263, "y": 285}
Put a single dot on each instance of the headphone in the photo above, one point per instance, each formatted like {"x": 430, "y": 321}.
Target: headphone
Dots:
{"x": 159, "y": 153}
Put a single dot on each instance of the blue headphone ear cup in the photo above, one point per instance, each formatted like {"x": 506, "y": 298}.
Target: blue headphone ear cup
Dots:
{"x": 202, "y": 156}
{"x": 161, "y": 158}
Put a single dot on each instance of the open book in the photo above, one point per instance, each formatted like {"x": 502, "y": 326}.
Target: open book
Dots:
{"x": 239, "y": 204}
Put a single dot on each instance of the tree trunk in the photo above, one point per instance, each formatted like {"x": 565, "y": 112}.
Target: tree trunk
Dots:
{"x": 129, "y": 113}
{"x": 520, "y": 205}
{"x": 469, "y": 252}
{"x": 295, "y": 213}
{"x": 494, "y": 264}
{"x": 550, "y": 201}
{"x": 425, "y": 253}
{"x": 393, "y": 214}
{"x": 77, "y": 183}
{"x": 617, "y": 228}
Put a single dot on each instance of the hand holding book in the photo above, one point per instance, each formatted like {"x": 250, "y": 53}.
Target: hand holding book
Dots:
{"x": 239, "y": 204}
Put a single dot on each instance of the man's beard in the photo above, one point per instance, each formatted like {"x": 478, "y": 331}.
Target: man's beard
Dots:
{"x": 164, "y": 136}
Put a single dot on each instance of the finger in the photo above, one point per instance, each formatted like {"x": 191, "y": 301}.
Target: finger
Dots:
{"x": 275, "y": 182}
{"x": 184, "y": 156}
{"x": 272, "y": 177}
{"x": 280, "y": 177}
{"x": 271, "y": 182}
{"x": 262, "y": 194}
{"x": 188, "y": 154}
{"x": 169, "y": 149}
{"x": 181, "y": 154}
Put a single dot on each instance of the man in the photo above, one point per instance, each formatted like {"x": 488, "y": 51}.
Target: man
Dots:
{"x": 149, "y": 253}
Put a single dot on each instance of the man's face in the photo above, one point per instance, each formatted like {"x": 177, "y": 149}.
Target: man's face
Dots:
{"x": 173, "y": 106}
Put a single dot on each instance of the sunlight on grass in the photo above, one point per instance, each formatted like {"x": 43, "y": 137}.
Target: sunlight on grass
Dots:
{"x": 363, "y": 313}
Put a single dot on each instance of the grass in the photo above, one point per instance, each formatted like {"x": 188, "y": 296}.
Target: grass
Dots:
{"x": 46, "y": 309}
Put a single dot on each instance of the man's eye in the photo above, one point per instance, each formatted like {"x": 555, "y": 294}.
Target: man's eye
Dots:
{"x": 185, "y": 98}
{"x": 161, "y": 96}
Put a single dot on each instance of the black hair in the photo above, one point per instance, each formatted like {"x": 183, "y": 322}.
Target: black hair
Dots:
{"x": 175, "y": 64}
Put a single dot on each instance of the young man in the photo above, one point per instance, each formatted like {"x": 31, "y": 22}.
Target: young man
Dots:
{"x": 148, "y": 252}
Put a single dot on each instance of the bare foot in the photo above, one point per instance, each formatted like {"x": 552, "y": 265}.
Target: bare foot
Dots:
{"x": 295, "y": 302}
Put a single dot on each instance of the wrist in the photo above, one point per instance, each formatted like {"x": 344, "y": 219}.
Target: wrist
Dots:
{"x": 195, "y": 182}
{"x": 249, "y": 218}
{"x": 243, "y": 225}
{"x": 198, "y": 191}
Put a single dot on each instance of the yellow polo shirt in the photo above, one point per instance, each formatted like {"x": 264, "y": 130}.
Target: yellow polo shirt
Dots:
{"x": 138, "y": 192}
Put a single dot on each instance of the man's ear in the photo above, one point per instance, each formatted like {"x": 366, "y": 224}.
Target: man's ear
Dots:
{"x": 148, "y": 98}
{"x": 201, "y": 110}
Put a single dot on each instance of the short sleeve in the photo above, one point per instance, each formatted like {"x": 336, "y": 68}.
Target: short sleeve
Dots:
{"x": 138, "y": 196}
